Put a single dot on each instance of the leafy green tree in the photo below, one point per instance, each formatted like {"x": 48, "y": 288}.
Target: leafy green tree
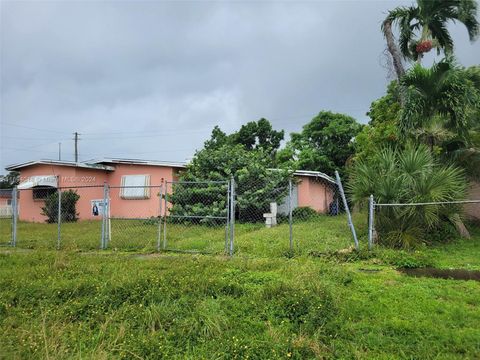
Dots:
{"x": 441, "y": 109}
{"x": 325, "y": 143}
{"x": 10, "y": 180}
{"x": 217, "y": 139}
{"x": 425, "y": 25}
{"x": 68, "y": 207}
{"x": 256, "y": 183}
{"x": 412, "y": 175}
{"x": 444, "y": 92}
{"x": 252, "y": 135}
{"x": 382, "y": 129}
{"x": 260, "y": 134}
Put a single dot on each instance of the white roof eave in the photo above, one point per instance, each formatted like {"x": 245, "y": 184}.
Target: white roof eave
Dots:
{"x": 59, "y": 163}
{"x": 39, "y": 180}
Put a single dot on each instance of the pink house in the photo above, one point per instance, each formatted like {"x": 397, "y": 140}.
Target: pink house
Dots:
{"x": 127, "y": 179}
{"x": 312, "y": 189}
{"x": 40, "y": 178}
{"x": 5, "y": 203}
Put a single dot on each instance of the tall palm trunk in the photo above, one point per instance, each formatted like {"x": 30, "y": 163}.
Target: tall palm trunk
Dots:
{"x": 392, "y": 48}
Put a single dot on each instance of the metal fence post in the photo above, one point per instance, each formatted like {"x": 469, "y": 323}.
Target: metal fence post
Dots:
{"x": 104, "y": 217}
{"x": 232, "y": 215}
{"x": 108, "y": 226}
{"x": 347, "y": 209}
{"x": 227, "y": 222}
{"x": 14, "y": 216}
{"x": 370, "y": 222}
{"x": 59, "y": 219}
{"x": 290, "y": 213}
{"x": 165, "y": 217}
{"x": 160, "y": 218}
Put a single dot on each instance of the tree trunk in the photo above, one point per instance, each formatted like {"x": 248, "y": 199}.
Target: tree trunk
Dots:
{"x": 392, "y": 49}
{"x": 460, "y": 226}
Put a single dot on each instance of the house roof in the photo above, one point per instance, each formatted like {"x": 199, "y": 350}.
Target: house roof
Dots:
{"x": 99, "y": 164}
{"x": 316, "y": 174}
{"x": 139, "y": 162}
{"x": 60, "y": 163}
{"x": 6, "y": 193}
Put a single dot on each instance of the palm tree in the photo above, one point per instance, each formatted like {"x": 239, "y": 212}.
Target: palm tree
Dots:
{"x": 392, "y": 48}
{"x": 445, "y": 92}
{"x": 424, "y": 26}
{"x": 412, "y": 175}
{"x": 441, "y": 109}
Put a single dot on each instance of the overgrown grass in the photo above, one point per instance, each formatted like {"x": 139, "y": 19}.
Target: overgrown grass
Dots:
{"x": 323, "y": 233}
{"x": 258, "y": 304}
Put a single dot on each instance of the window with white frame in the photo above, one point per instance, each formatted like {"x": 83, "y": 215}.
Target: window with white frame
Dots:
{"x": 135, "y": 187}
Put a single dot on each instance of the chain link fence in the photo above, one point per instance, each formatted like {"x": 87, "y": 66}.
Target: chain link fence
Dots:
{"x": 281, "y": 214}
{"x": 196, "y": 216}
{"x": 409, "y": 224}
{"x": 300, "y": 214}
{"x": 7, "y": 203}
{"x": 133, "y": 218}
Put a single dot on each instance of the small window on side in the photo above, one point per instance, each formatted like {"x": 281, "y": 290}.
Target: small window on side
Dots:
{"x": 135, "y": 187}
{"x": 41, "y": 193}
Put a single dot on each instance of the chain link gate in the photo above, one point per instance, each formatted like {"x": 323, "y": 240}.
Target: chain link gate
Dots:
{"x": 196, "y": 216}
{"x": 133, "y": 225}
{"x": 7, "y": 208}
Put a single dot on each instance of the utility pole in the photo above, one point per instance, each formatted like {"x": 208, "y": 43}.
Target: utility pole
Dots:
{"x": 76, "y": 146}
{"x": 59, "y": 151}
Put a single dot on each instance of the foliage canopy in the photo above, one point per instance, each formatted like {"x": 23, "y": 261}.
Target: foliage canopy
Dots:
{"x": 324, "y": 144}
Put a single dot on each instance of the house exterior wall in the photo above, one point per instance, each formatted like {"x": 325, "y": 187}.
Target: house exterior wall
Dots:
{"x": 125, "y": 208}
{"x": 89, "y": 183}
{"x": 31, "y": 210}
{"x": 473, "y": 210}
{"x": 5, "y": 207}
{"x": 314, "y": 193}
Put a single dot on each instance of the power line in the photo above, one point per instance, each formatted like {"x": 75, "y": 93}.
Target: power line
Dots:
{"x": 22, "y": 138}
{"x": 166, "y": 132}
{"x": 34, "y": 128}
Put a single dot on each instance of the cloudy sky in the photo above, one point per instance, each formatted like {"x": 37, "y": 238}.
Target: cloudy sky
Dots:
{"x": 150, "y": 79}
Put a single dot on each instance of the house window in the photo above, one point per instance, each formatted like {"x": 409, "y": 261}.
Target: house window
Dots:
{"x": 41, "y": 193}
{"x": 135, "y": 187}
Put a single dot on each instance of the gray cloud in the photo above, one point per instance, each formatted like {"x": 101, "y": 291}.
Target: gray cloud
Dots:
{"x": 150, "y": 79}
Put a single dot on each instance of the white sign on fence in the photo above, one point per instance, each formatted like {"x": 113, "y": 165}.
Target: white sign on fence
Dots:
{"x": 97, "y": 207}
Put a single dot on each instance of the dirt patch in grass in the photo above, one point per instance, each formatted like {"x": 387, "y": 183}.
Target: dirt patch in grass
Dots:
{"x": 452, "y": 274}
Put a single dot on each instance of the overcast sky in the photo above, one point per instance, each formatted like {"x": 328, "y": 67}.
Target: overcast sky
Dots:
{"x": 150, "y": 79}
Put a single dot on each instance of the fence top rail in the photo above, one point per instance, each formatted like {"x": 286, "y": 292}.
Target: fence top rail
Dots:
{"x": 71, "y": 187}
{"x": 61, "y": 187}
{"x": 134, "y": 186}
{"x": 198, "y": 182}
{"x": 430, "y": 203}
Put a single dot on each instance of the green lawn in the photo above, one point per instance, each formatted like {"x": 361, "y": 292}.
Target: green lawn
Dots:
{"x": 323, "y": 233}
{"x": 259, "y": 304}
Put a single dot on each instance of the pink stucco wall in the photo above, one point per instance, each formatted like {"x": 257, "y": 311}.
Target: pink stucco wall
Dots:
{"x": 473, "y": 210}
{"x": 91, "y": 183}
{"x": 30, "y": 209}
{"x": 126, "y": 208}
{"x": 314, "y": 193}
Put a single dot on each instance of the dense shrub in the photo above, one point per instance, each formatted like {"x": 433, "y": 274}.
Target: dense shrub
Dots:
{"x": 303, "y": 213}
{"x": 256, "y": 185}
{"x": 68, "y": 207}
{"x": 412, "y": 175}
